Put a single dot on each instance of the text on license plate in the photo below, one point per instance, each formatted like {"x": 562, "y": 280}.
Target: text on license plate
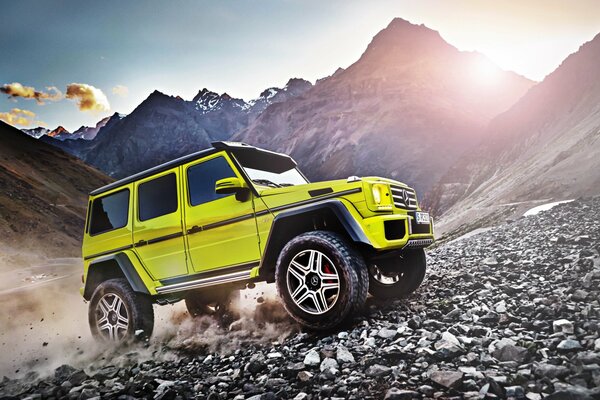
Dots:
{"x": 422, "y": 217}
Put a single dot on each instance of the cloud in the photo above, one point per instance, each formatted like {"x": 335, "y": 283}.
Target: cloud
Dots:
{"x": 16, "y": 89}
{"x": 17, "y": 116}
{"x": 88, "y": 97}
{"x": 120, "y": 90}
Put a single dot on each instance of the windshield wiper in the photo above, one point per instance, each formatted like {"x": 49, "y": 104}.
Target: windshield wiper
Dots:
{"x": 286, "y": 184}
{"x": 266, "y": 182}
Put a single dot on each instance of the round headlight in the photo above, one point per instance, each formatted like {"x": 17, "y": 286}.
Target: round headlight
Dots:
{"x": 377, "y": 194}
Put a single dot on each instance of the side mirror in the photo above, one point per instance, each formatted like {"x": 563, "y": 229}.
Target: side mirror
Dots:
{"x": 232, "y": 185}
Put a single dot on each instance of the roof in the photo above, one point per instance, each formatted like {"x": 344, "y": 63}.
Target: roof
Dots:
{"x": 248, "y": 155}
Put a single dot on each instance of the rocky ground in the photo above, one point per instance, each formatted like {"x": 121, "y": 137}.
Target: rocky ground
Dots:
{"x": 510, "y": 313}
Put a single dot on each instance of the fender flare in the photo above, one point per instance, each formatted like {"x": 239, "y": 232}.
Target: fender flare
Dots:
{"x": 279, "y": 234}
{"x": 127, "y": 269}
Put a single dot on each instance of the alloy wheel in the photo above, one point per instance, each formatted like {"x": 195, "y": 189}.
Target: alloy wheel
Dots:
{"x": 112, "y": 317}
{"x": 313, "y": 282}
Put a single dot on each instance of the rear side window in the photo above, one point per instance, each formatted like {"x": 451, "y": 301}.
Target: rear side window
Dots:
{"x": 203, "y": 177}
{"x": 157, "y": 197}
{"x": 109, "y": 212}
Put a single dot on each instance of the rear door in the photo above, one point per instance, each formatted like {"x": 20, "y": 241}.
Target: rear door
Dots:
{"x": 221, "y": 231}
{"x": 158, "y": 226}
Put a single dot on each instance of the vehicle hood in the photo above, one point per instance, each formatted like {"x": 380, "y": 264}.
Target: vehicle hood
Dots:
{"x": 350, "y": 189}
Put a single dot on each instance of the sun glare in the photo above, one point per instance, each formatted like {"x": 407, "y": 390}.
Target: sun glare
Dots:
{"x": 485, "y": 72}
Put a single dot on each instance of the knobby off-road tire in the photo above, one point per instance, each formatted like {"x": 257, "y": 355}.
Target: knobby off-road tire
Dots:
{"x": 299, "y": 272}
{"x": 397, "y": 277}
{"x": 116, "y": 313}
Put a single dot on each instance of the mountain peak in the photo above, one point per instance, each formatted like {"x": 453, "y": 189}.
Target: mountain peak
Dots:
{"x": 60, "y": 130}
{"x": 403, "y": 39}
{"x": 204, "y": 94}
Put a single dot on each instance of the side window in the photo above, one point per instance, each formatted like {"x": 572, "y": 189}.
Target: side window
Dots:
{"x": 109, "y": 212}
{"x": 157, "y": 197}
{"x": 203, "y": 177}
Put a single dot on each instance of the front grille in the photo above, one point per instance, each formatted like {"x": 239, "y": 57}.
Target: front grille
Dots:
{"x": 404, "y": 197}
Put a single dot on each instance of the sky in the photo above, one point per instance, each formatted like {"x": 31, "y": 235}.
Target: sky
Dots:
{"x": 77, "y": 62}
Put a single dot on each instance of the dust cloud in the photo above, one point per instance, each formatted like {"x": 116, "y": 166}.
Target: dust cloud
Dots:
{"x": 43, "y": 324}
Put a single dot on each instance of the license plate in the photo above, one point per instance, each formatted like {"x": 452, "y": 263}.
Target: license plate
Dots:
{"x": 422, "y": 217}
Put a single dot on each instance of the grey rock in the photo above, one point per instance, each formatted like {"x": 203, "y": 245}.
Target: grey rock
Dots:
{"x": 312, "y": 358}
{"x": 426, "y": 390}
{"x": 328, "y": 363}
{"x": 386, "y": 333}
{"x": 447, "y": 379}
{"x": 516, "y": 392}
{"x": 563, "y": 325}
{"x": 377, "y": 370}
{"x": 304, "y": 376}
{"x": 510, "y": 352}
{"x": 343, "y": 355}
{"x": 579, "y": 295}
{"x": 569, "y": 345}
{"x": 546, "y": 370}
{"x": 400, "y": 394}
{"x": 572, "y": 393}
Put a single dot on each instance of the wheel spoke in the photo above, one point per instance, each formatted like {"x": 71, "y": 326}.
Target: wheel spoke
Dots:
{"x": 119, "y": 325}
{"x": 104, "y": 324}
{"x": 104, "y": 306}
{"x": 111, "y": 333}
{"x": 319, "y": 300}
{"x": 329, "y": 277}
{"x": 330, "y": 285}
{"x": 117, "y": 304}
{"x": 298, "y": 290}
{"x": 297, "y": 270}
{"x": 311, "y": 260}
{"x": 302, "y": 298}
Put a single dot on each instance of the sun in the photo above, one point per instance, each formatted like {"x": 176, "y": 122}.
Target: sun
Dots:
{"x": 485, "y": 72}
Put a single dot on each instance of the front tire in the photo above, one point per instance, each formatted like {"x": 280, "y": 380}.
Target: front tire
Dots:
{"x": 118, "y": 314}
{"x": 397, "y": 277}
{"x": 321, "y": 279}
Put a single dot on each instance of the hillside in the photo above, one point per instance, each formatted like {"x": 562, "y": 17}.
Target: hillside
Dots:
{"x": 43, "y": 198}
{"x": 408, "y": 108}
{"x": 545, "y": 148}
{"x": 509, "y": 313}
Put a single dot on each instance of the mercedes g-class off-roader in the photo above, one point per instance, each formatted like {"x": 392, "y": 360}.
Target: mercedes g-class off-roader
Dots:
{"x": 216, "y": 221}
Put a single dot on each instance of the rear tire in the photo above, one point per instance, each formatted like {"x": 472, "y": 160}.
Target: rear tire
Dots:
{"x": 116, "y": 313}
{"x": 397, "y": 277}
{"x": 321, "y": 279}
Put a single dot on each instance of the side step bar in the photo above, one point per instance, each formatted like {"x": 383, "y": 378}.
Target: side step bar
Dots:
{"x": 210, "y": 281}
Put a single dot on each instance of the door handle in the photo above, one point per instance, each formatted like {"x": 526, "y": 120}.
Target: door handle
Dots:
{"x": 141, "y": 243}
{"x": 194, "y": 229}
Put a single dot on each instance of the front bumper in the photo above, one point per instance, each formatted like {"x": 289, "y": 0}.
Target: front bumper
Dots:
{"x": 398, "y": 231}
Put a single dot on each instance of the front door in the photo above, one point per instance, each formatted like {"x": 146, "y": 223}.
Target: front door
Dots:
{"x": 221, "y": 231}
{"x": 158, "y": 235}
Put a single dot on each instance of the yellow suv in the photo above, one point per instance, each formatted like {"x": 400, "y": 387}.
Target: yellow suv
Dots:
{"x": 205, "y": 225}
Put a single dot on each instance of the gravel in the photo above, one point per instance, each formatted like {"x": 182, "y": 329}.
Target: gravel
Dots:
{"x": 510, "y": 312}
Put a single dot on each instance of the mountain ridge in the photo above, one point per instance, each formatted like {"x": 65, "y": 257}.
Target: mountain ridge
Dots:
{"x": 542, "y": 148}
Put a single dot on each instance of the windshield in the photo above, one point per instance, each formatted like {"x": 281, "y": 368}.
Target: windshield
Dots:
{"x": 262, "y": 177}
